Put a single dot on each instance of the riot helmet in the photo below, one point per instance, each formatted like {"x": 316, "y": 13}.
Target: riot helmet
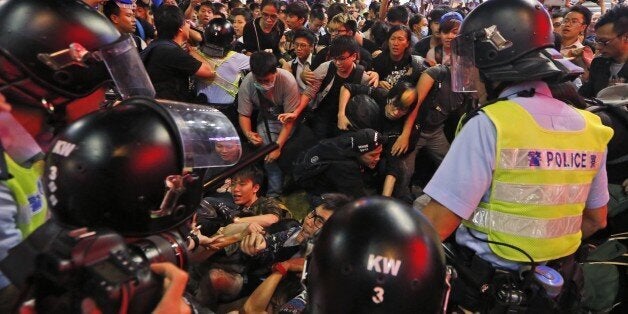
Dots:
{"x": 54, "y": 51}
{"x": 218, "y": 35}
{"x": 132, "y": 167}
{"x": 507, "y": 41}
{"x": 376, "y": 255}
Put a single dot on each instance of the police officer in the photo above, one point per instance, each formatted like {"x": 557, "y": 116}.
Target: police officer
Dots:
{"x": 526, "y": 175}
{"x": 376, "y": 255}
{"x": 229, "y": 65}
{"x": 39, "y": 79}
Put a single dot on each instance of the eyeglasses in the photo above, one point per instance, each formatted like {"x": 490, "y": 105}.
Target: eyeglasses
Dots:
{"x": 604, "y": 43}
{"x": 269, "y": 16}
{"x": 339, "y": 31}
{"x": 557, "y": 24}
{"x": 301, "y": 45}
{"x": 571, "y": 21}
{"x": 318, "y": 220}
{"x": 341, "y": 58}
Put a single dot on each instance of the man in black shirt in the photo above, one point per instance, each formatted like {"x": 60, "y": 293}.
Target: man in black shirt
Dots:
{"x": 167, "y": 64}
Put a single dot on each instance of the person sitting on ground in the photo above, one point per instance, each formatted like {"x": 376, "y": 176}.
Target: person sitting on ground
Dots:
{"x": 225, "y": 273}
{"x": 284, "y": 247}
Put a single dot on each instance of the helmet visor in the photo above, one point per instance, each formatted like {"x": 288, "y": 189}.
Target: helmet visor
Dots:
{"x": 126, "y": 68}
{"x": 464, "y": 73}
{"x": 209, "y": 139}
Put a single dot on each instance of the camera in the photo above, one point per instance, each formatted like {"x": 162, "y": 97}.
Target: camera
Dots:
{"x": 97, "y": 264}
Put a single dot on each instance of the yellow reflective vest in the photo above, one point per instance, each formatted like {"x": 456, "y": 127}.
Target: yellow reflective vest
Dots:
{"x": 540, "y": 184}
{"x": 28, "y": 192}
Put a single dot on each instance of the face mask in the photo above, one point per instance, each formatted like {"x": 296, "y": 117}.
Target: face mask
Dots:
{"x": 265, "y": 87}
{"x": 424, "y": 31}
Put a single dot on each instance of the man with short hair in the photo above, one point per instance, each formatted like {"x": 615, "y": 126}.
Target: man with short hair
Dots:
{"x": 304, "y": 41}
{"x": 272, "y": 91}
{"x": 205, "y": 13}
{"x": 296, "y": 17}
{"x": 324, "y": 89}
{"x": 167, "y": 63}
{"x": 612, "y": 44}
{"x": 574, "y": 27}
{"x": 317, "y": 22}
{"x": 120, "y": 13}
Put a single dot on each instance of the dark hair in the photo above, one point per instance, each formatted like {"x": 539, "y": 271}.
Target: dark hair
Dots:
{"x": 379, "y": 33}
{"x": 394, "y": 29}
{"x": 254, "y": 6}
{"x": 319, "y": 6}
{"x": 374, "y": 6}
{"x": 436, "y": 14}
{"x": 618, "y": 16}
{"x": 217, "y": 6}
{"x": 110, "y": 8}
{"x": 332, "y": 201}
{"x": 305, "y": 33}
{"x": 248, "y": 16}
{"x": 263, "y": 63}
{"x": 586, "y": 13}
{"x": 143, "y": 4}
{"x": 298, "y": 9}
{"x": 273, "y": 3}
{"x": 343, "y": 44}
{"x": 449, "y": 26}
{"x": 233, "y": 4}
{"x": 317, "y": 14}
{"x": 168, "y": 20}
{"x": 253, "y": 173}
{"x": 415, "y": 19}
{"x": 558, "y": 13}
{"x": 335, "y": 9}
{"x": 398, "y": 89}
{"x": 397, "y": 14}
{"x": 208, "y": 4}
{"x": 281, "y": 4}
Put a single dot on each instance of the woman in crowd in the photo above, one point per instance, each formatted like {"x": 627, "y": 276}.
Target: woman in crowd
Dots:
{"x": 240, "y": 17}
{"x": 265, "y": 32}
{"x": 396, "y": 61}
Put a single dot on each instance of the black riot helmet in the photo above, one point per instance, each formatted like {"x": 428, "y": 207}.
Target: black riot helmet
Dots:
{"x": 52, "y": 51}
{"x": 507, "y": 41}
{"x": 219, "y": 32}
{"x": 131, "y": 168}
{"x": 376, "y": 255}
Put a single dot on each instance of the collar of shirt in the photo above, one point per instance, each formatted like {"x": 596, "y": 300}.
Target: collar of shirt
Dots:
{"x": 540, "y": 87}
{"x": 577, "y": 44}
{"x": 308, "y": 61}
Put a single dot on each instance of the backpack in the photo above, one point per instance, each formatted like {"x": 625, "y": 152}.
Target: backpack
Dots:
{"x": 326, "y": 84}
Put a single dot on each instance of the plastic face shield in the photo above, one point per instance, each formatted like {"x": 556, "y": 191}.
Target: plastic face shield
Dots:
{"x": 464, "y": 74}
{"x": 208, "y": 137}
{"x": 126, "y": 68}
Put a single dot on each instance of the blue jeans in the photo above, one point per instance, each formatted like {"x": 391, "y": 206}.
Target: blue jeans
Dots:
{"x": 273, "y": 172}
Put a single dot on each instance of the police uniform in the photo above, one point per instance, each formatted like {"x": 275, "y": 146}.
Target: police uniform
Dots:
{"x": 533, "y": 165}
{"x": 222, "y": 90}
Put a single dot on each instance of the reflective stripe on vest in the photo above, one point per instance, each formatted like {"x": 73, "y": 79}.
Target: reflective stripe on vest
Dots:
{"x": 525, "y": 226}
{"x": 29, "y": 196}
{"x": 230, "y": 87}
{"x": 540, "y": 184}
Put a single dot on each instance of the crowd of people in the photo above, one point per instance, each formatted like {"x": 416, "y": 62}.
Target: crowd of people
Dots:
{"x": 360, "y": 100}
